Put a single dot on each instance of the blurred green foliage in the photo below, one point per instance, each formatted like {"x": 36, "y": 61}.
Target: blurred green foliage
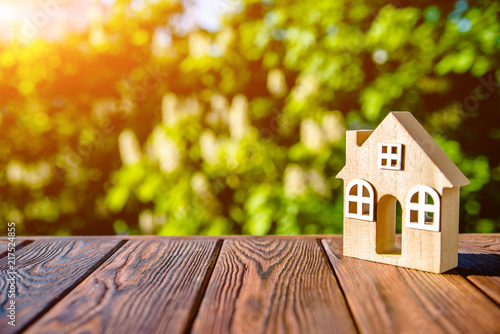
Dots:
{"x": 141, "y": 125}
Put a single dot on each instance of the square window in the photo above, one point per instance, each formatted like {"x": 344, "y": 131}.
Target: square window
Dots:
{"x": 390, "y": 156}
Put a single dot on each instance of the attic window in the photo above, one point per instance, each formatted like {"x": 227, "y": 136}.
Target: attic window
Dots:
{"x": 424, "y": 206}
{"x": 390, "y": 156}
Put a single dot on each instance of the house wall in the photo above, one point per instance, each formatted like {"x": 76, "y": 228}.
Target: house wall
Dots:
{"x": 450, "y": 208}
{"x": 420, "y": 249}
{"x": 418, "y": 168}
{"x": 424, "y": 250}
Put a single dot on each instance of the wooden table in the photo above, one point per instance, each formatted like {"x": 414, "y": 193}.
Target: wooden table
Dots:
{"x": 299, "y": 284}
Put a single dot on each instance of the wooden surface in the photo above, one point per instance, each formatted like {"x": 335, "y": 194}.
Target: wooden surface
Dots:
{"x": 47, "y": 270}
{"x": 480, "y": 263}
{"x": 389, "y": 299}
{"x": 296, "y": 284}
{"x": 152, "y": 284}
{"x": 273, "y": 286}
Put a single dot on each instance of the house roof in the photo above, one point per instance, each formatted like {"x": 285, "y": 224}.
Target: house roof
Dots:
{"x": 449, "y": 170}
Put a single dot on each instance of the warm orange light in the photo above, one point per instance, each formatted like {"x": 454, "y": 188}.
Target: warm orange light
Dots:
{"x": 27, "y": 20}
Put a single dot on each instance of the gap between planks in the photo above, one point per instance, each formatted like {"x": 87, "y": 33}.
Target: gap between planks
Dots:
{"x": 19, "y": 246}
{"x": 169, "y": 273}
{"x": 204, "y": 285}
{"x": 464, "y": 242}
{"x": 477, "y": 286}
{"x": 466, "y": 247}
{"x": 273, "y": 285}
{"x": 334, "y": 273}
{"x": 92, "y": 269}
{"x": 413, "y": 290}
{"x": 207, "y": 278}
{"x": 484, "y": 273}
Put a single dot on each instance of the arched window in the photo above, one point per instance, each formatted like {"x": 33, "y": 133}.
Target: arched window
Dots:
{"x": 359, "y": 200}
{"x": 423, "y": 209}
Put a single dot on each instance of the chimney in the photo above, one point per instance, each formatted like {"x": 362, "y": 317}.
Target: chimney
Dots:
{"x": 357, "y": 137}
{"x": 354, "y": 139}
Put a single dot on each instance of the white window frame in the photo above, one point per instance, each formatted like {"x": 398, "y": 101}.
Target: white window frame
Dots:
{"x": 389, "y": 156}
{"x": 422, "y": 208}
{"x": 360, "y": 200}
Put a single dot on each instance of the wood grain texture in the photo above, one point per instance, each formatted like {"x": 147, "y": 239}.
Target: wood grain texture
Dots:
{"x": 273, "y": 286}
{"x": 392, "y": 163}
{"x": 146, "y": 287}
{"x": 388, "y": 299}
{"x": 158, "y": 237}
{"x": 4, "y": 245}
{"x": 46, "y": 270}
{"x": 489, "y": 243}
{"x": 479, "y": 261}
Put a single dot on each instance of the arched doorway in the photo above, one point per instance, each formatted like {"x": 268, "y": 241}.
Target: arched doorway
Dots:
{"x": 386, "y": 225}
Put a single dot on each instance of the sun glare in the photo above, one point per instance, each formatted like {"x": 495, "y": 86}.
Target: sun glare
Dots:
{"x": 49, "y": 20}
{"x": 9, "y": 13}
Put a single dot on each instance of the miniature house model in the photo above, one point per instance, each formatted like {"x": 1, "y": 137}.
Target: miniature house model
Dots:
{"x": 399, "y": 161}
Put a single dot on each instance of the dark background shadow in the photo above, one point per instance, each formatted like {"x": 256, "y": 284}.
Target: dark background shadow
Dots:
{"x": 478, "y": 264}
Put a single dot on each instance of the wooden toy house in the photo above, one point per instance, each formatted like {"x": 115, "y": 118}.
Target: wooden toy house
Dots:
{"x": 399, "y": 161}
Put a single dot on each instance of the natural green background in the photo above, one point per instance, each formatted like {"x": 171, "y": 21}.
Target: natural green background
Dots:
{"x": 146, "y": 124}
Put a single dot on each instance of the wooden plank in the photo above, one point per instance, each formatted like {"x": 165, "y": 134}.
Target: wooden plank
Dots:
{"x": 46, "y": 270}
{"x": 479, "y": 261}
{"x": 273, "y": 286}
{"x": 149, "y": 286}
{"x": 389, "y": 299}
{"x": 481, "y": 242}
{"x": 158, "y": 237}
{"x": 4, "y": 245}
